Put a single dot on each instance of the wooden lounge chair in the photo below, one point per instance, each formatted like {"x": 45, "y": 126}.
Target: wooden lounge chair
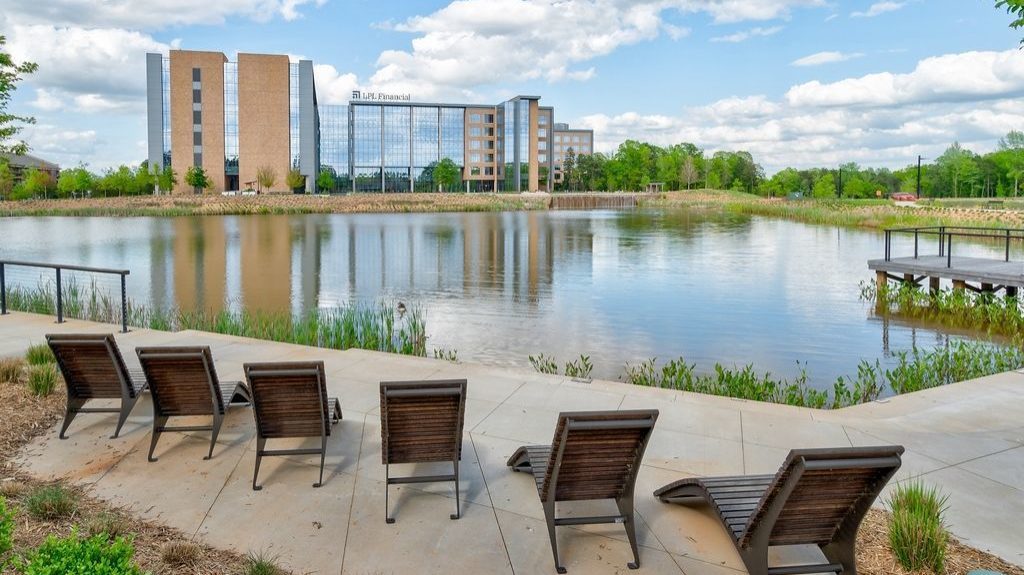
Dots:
{"x": 290, "y": 400}
{"x": 594, "y": 455}
{"x": 183, "y": 382}
{"x": 818, "y": 496}
{"x": 93, "y": 368}
{"x": 421, "y": 422}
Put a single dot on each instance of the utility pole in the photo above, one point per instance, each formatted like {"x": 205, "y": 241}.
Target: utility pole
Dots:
{"x": 919, "y": 177}
{"x": 839, "y": 190}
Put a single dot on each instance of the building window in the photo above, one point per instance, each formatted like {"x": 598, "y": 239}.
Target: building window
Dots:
{"x": 542, "y": 119}
{"x": 197, "y": 96}
{"x": 542, "y": 158}
{"x": 474, "y": 118}
{"x": 197, "y": 159}
{"x": 489, "y": 132}
{"x": 489, "y": 158}
{"x": 475, "y": 131}
{"x": 197, "y": 149}
{"x": 197, "y": 118}
{"x": 474, "y": 144}
{"x": 542, "y": 132}
{"x": 488, "y": 171}
{"x": 474, "y": 171}
{"x": 558, "y": 138}
{"x": 575, "y": 139}
{"x": 197, "y": 74}
{"x": 542, "y": 145}
{"x": 558, "y": 148}
{"x": 197, "y": 107}
{"x": 197, "y": 139}
{"x": 489, "y": 144}
{"x": 197, "y": 127}
{"x": 196, "y": 85}
{"x": 489, "y": 119}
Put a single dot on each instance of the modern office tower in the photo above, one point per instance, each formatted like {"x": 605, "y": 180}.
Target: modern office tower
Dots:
{"x": 261, "y": 113}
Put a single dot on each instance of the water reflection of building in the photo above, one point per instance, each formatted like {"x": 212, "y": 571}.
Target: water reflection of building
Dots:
{"x": 200, "y": 266}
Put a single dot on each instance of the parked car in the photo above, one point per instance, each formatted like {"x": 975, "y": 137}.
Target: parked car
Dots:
{"x": 903, "y": 197}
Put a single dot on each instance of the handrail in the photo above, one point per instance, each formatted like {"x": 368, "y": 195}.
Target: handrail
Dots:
{"x": 945, "y": 238}
{"x": 60, "y": 291}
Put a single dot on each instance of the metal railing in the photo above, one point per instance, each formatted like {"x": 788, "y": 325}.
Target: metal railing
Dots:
{"x": 945, "y": 235}
{"x": 60, "y": 291}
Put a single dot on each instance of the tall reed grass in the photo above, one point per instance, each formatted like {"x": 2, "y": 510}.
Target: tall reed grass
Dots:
{"x": 963, "y": 309}
{"x": 375, "y": 326}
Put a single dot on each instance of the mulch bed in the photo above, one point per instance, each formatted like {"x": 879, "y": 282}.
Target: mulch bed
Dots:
{"x": 24, "y": 417}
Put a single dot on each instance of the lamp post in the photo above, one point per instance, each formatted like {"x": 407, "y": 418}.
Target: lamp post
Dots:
{"x": 919, "y": 158}
{"x": 839, "y": 189}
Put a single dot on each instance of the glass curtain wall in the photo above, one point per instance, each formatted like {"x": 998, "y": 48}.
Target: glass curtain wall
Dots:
{"x": 334, "y": 145}
{"x": 508, "y": 147}
{"x": 165, "y": 73}
{"x": 231, "y": 126}
{"x": 293, "y": 112}
{"x": 367, "y": 145}
{"x": 426, "y": 130}
{"x": 397, "y": 148}
{"x": 523, "y": 144}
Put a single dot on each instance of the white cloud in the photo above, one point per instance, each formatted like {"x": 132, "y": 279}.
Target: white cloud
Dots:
{"x": 331, "y": 86}
{"x": 47, "y": 100}
{"x": 747, "y": 34}
{"x": 820, "y": 58}
{"x": 948, "y": 78}
{"x": 61, "y": 145}
{"x": 804, "y": 132}
{"x": 149, "y": 15}
{"x": 878, "y": 8}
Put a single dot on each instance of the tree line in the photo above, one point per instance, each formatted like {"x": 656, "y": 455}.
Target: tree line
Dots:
{"x": 957, "y": 173}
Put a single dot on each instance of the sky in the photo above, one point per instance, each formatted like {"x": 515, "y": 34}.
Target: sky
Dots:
{"x": 797, "y": 83}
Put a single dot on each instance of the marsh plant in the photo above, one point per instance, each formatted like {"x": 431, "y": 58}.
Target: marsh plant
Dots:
{"x": 917, "y": 530}
{"x": 40, "y": 354}
{"x": 42, "y": 379}
{"x": 12, "y": 369}
{"x": 986, "y": 312}
{"x": 447, "y": 354}
{"x": 579, "y": 368}
{"x": 544, "y": 364}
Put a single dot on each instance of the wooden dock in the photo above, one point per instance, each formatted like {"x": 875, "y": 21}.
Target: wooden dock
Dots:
{"x": 982, "y": 275}
{"x": 596, "y": 201}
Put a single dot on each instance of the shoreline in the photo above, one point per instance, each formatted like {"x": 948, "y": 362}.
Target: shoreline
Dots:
{"x": 868, "y": 214}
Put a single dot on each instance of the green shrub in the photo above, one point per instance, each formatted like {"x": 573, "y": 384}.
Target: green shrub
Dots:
{"x": 917, "y": 532}
{"x": 72, "y": 554}
{"x": 40, "y": 354}
{"x": 261, "y": 564}
{"x": 42, "y": 379}
{"x": 544, "y": 364}
{"x": 12, "y": 369}
{"x": 51, "y": 502}
{"x": 6, "y": 530}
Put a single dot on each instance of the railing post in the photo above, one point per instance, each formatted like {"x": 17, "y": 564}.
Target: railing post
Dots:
{"x": 3, "y": 291}
{"x": 949, "y": 251}
{"x": 888, "y": 235}
{"x": 942, "y": 240}
{"x": 124, "y": 306}
{"x": 60, "y": 300}
{"x": 1007, "y": 245}
{"x": 915, "y": 242}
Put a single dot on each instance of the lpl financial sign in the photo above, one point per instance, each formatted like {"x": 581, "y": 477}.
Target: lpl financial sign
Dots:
{"x": 380, "y": 97}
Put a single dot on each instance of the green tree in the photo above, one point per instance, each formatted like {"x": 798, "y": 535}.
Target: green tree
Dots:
{"x": 10, "y": 124}
{"x": 295, "y": 180}
{"x": 145, "y": 180}
{"x": 824, "y": 185}
{"x": 6, "y": 179}
{"x": 688, "y": 173}
{"x": 446, "y": 174}
{"x": 197, "y": 178}
{"x": 266, "y": 177}
{"x": 569, "y": 169}
{"x": 74, "y": 182}
{"x": 325, "y": 180}
{"x": 167, "y": 179}
{"x": 958, "y": 169}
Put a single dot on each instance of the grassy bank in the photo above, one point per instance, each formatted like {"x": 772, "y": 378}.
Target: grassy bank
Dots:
{"x": 875, "y": 214}
{"x": 379, "y": 327}
{"x": 273, "y": 204}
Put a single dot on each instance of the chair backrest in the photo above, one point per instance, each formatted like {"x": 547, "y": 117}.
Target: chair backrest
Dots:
{"x": 422, "y": 420}
{"x": 183, "y": 380}
{"x": 92, "y": 365}
{"x": 596, "y": 454}
{"x": 818, "y": 492}
{"x": 289, "y": 399}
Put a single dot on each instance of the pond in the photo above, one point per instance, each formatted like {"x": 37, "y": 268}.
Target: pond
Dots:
{"x": 618, "y": 286}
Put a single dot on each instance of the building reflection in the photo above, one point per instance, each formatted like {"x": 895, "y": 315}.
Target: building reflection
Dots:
{"x": 273, "y": 263}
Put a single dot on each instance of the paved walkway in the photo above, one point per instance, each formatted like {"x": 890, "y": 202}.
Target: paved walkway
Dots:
{"x": 967, "y": 438}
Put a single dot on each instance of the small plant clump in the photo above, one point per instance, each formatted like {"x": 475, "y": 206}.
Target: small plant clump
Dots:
{"x": 261, "y": 564}
{"x": 181, "y": 554}
{"x": 917, "y": 532}
{"x": 12, "y": 370}
{"x": 51, "y": 502}
{"x": 446, "y": 354}
{"x": 544, "y": 364}
{"x": 580, "y": 368}
{"x": 73, "y": 554}
{"x": 42, "y": 379}
{"x": 107, "y": 523}
{"x": 40, "y": 354}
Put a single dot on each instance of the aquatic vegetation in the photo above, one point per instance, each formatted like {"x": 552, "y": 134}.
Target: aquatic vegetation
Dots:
{"x": 963, "y": 309}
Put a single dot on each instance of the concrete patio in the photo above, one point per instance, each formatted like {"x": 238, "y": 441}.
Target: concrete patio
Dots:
{"x": 966, "y": 438}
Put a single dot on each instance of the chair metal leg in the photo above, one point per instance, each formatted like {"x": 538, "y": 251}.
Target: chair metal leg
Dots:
{"x": 159, "y": 422}
{"x": 843, "y": 552}
{"x": 755, "y": 559}
{"x": 549, "y": 518}
{"x": 323, "y": 455}
{"x": 625, "y": 506}
{"x": 70, "y": 411}
{"x": 260, "y": 444}
{"x": 126, "y": 408}
{"x": 387, "y": 487}
{"x": 218, "y": 419}
{"x": 458, "y": 504}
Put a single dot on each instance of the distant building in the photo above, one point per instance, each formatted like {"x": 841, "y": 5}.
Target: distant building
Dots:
{"x": 581, "y": 142}
{"x": 233, "y": 118}
{"x": 20, "y": 164}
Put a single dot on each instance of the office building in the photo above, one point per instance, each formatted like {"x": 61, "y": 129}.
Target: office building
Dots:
{"x": 261, "y": 113}
{"x": 579, "y": 142}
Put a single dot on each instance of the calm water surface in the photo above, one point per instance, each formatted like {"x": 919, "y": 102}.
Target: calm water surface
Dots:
{"x": 619, "y": 286}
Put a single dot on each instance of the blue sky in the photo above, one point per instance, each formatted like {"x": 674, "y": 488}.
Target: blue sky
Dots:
{"x": 796, "y": 82}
